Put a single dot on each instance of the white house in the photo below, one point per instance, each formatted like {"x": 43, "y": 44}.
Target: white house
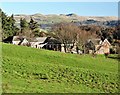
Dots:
{"x": 38, "y": 42}
{"x": 17, "y": 40}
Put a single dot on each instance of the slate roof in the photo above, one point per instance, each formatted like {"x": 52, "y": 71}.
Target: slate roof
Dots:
{"x": 41, "y": 39}
{"x": 38, "y": 39}
{"x": 18, "y": 38}
{"x": 95, "y": 41}
{"x": 53, "y": 41}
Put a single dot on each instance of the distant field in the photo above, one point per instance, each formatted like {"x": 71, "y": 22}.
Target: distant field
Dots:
{"x": 31, "y": 70}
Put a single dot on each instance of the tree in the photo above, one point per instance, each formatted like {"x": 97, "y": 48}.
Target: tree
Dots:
{"x": 29, "y": 29}
{"x": 69, "y": 33}
{"x": 83, "y": 36}
{"x": 25, "y": 30}
{"x": 66, "y": 33}
{"x": 117, "y": 32}
{"x": 43, "y": 34}
{"x": 4, "y": 24}
{"x": 13, "y": 29}
{"x": 23, "y": 24}
{"x": 33, "y": 25}
{"x": 8, "y": 26}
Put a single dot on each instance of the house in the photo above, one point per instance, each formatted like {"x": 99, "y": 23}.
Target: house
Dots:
{"x": 90, "y": 45}
{"x": 74, "y": 48}
{"x": 56, "y": 45}
{"x": 49, "y": 43}
{"x": 19, "y": 40}
{"x": 97, "y": 46}
{"x": 69, "y": 48}
{"x": 62, "y": 48}
{"x": 24, "y": 42}
{"x": 103, "y": 47}
{"x": 53, "y": 44}
{"x": 38, "y": 42}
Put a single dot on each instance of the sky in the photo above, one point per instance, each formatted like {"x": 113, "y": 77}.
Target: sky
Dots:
{"x": 79, "y": 8}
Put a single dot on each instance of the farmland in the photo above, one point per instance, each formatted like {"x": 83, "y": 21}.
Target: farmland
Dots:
{"x": 31, "y": 70}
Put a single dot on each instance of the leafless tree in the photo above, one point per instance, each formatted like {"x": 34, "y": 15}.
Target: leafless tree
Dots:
{"x": 69, "y": 33}
{"x": 26, "y": 32}
{"x": 66, "y": 33}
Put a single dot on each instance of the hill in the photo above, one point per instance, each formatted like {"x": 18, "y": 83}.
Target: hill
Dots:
{"x": 46, "y": 21}
{"x": 31, "y": 70}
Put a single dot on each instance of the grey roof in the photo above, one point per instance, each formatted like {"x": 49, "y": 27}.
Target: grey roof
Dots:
{"x": 32, "y": 40}
{"x": 18, "y": 38}
{"x": 95, "y": 41}
{"x": 41, "y": 39}
{"x": 38, "y": 39}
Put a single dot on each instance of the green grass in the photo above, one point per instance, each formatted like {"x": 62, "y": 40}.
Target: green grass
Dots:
{"x": 31, "y": 70}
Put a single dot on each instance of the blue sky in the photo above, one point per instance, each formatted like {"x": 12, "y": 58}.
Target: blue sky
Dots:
{"x": 80, "y": 8}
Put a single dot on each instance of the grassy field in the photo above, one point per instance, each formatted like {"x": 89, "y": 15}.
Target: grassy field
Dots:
{"x": 31, "y": 70}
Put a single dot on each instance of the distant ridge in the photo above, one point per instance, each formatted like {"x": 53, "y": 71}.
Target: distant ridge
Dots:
{"x": 47, "y": 20}
{"x": 102, "y": 18}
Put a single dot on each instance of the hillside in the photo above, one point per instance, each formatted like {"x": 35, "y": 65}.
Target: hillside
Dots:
{"x": 46, "y": 21}
{"x": 31, "y": 70}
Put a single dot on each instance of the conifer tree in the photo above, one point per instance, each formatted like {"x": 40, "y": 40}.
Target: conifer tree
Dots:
{"x": 23, "y": 24}
{"x": 8, "y": 25}
{"x": 33, "y": 25}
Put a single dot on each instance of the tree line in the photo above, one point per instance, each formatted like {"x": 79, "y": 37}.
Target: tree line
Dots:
{"x": 71, "y": 33}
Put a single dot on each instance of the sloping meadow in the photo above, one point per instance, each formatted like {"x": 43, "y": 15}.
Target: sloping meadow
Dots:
{"x": 27, "y": 70}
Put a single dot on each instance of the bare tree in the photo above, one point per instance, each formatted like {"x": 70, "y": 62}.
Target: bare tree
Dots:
{"x": 26, "y": 32}
{"x": 66, "y": 33}
{"x": 69, "y": 33}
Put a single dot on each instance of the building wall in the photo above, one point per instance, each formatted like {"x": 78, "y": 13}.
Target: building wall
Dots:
{"x": 103, "y": 49}
{"x": 100, "y": 51}
{"x": 15, "y": 42}
{"x": 24, "y": 42}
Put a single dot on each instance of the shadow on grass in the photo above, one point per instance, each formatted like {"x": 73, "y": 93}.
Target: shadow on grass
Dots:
{"x": 115, "y": 57}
